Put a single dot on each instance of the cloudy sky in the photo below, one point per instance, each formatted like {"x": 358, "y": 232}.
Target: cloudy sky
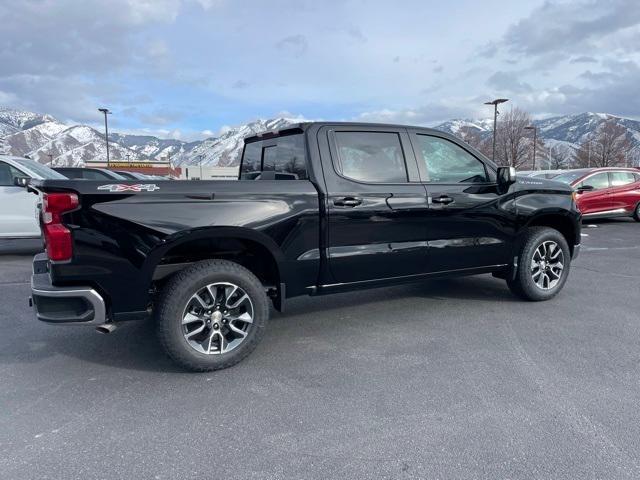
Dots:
{"x": 189, "y": 68}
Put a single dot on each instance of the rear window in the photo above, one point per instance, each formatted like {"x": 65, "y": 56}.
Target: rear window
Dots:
{"x": 279, "y": 158}
{"x": 371, "y": 157}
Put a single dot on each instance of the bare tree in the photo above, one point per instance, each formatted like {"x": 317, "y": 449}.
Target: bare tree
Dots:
{"x": 608, "y": 146}
{"x": 476, "y": 139}
{"x": 513, "y": 141}
{"x": 470, "y": 135}
{"x": 558, "y": 156}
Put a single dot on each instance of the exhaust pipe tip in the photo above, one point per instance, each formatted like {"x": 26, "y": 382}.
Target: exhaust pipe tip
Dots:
{"x": 106, "y": 328}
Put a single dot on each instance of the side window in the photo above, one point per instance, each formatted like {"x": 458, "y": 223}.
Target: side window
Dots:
{"x": 284, "y": 156}
{"x": 446, "y": 162}
{"x": 375, "y": 157}
{"x": 619, "y": 179}
{"x": 597, "y": 181}
{"x": 8, "y": 173}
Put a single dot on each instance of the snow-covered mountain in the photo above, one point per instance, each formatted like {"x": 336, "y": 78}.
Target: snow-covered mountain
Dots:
{"x": 12, "y": 121}
{"x": 46, "y": 139}
{"x": 568, "y": 130}
{"x": 152, "y": 147}
{"x": 453, "y": 127}
{"x": 226, "y": 150}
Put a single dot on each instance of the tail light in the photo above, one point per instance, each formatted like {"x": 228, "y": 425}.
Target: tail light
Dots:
{"x": 57, "y": 237}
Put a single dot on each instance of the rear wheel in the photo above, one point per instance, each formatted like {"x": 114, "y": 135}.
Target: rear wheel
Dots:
{"x": 636, "y": 213}
{"x": 211, "y": 315}
{"x": 543, "y": 265}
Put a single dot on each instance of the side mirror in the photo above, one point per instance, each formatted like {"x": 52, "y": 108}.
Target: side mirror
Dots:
{"x": 506, "y": 176}
{"x": 21, "y": 181}
{"x": 585, "y": 188}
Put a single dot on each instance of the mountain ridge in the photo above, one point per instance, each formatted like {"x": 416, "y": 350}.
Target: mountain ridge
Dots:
{"x": 46, "y": 139}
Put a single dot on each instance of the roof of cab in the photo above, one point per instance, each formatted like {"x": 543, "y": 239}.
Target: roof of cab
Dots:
{"x": 302, "y": 126}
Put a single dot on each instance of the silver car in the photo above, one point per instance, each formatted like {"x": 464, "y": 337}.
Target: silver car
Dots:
{"x": 18, "y": 207}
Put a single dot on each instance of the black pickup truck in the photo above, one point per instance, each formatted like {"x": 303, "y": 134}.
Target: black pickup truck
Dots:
{"x": 318, "y": 208}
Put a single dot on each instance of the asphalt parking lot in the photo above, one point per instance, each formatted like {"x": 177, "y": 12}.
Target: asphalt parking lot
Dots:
{"x": 444, "y": 379}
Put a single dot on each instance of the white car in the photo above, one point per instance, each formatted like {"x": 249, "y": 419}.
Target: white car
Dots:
{"x": 18, "y": 207}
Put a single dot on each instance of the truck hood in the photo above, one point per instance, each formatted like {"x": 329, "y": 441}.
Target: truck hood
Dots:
{"x": 541, "y": 184}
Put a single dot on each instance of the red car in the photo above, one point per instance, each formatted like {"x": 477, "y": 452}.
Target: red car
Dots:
{"x": 605, "y": 192}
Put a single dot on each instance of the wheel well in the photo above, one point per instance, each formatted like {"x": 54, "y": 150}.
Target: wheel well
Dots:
{"x": 560, "y": 223}
{"x": 248, "y": 253}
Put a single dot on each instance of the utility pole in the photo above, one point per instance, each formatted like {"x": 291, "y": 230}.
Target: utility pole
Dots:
{"x": 495, "y": 104}
{"x": 535, "y": 140}
{"x": 106, "y": 130}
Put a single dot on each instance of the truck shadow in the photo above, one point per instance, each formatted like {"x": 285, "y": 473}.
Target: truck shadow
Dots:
{"x": 134, "y": 346}
{"x": 472, "y": 288}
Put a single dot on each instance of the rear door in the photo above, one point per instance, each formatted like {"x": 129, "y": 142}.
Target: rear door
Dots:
{"x": 598, "y": 199}
{"x": 624, "y": 193}
{"x": 17, "y": 206}
{"x": 470, "y": 223}
{"x": 376, "y": 205}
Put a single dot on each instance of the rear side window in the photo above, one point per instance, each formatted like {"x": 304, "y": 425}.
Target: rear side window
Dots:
{"x": 280, "y": 158}
{"x": 446, "y": 162}
{"x": 372, "y": 157}
{"x": 619, "y": 179}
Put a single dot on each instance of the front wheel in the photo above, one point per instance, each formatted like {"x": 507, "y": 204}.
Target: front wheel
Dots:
{"x": 543, "y": 265}
{"x": 636, "y": 213}
{"x": 211, "y": 315}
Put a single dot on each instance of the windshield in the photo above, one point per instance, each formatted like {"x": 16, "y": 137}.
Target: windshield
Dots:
{"x": 569, "y": 177}
{"x": 42, "y": 171}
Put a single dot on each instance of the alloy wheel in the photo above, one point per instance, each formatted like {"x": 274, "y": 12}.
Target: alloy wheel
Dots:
{"x": 217, "y": 318}
{"x": 547, "y": 265}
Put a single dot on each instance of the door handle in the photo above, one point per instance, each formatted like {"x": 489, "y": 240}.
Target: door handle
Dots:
{"x": 347, "y": 202}
{"x": 443, "y": 199}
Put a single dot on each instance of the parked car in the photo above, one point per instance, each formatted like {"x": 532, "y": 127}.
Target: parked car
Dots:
{"x": 79, "y": 173}
{"x": 18, "y": 207}
{"x": 605, "y": 192}
{"x": 334, "y": 207}
{"x": 133, "y": 175}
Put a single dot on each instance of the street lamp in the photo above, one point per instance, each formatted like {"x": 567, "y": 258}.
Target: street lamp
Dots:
{"x": 106, "y": 130}
{"x": 495, "y": 104}
{"x": 535, "y": 139}
{"x": 200, "y": 157}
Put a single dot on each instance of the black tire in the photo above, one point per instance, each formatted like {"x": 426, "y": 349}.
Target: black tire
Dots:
{"x": 636, "y": 213}
{"x": 523, "y": 285}
{"x": 177, "y": 293}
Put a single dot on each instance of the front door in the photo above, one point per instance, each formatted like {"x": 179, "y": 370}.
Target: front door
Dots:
{"x": 376, "y": 204}
{"x": 597, "y": 200}
{"x": 470, "y": 222}
{"x": 17, "y": 206}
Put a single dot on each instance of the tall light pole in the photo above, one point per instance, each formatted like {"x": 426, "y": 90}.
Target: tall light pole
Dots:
{"x": 106, "y": 130}
{"x": 495, "y": 104}
{"x": 200, "y": 157}
{"x": 535, "y": 140}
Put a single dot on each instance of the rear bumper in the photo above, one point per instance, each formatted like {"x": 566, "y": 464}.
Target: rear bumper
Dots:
{"x": 64, "y": 305}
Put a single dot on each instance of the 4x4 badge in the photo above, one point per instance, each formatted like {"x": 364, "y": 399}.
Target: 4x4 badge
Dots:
{"x": 138, "y": 187}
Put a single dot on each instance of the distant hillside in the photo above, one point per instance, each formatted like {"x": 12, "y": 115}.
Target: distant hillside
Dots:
{"x": 44, "y": 138}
